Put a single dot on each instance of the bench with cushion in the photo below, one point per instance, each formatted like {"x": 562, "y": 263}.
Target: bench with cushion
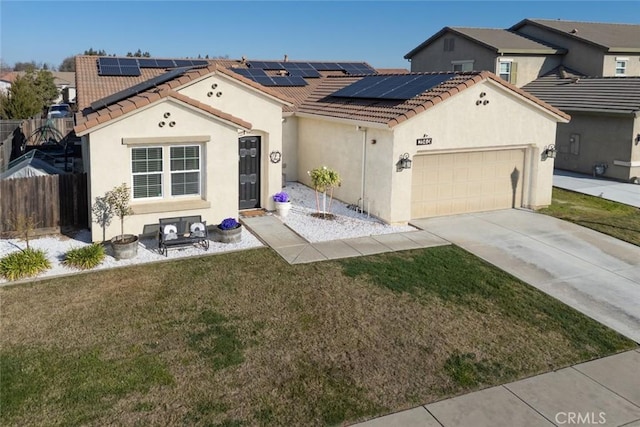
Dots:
{"x": 182, "y": 231}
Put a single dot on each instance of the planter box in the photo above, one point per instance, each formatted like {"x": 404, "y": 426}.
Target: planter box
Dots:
{"x": 125, "y": 248}
{"x": 233, "y": 235}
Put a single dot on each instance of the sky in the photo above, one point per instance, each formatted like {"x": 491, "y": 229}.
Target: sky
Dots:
{"x": 378, "y": 32}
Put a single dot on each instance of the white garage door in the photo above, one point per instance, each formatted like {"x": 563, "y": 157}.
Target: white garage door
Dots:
{"x": 453, "y": 183}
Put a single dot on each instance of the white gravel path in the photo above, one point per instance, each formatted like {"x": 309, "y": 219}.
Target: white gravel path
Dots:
{"x": 348, "y": 224}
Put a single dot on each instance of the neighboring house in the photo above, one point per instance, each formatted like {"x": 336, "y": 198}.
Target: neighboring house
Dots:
{"x": 532, "y": 48}
{"x": 603, "y": 137}
{"x": 515, "y": 58}
{"x": 207, "y": 140}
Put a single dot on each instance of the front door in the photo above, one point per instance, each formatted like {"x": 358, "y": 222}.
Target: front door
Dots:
{"x": 249, "y": 147}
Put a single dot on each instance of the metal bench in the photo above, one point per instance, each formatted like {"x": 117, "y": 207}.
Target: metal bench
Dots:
{"x": 182, "y": 231}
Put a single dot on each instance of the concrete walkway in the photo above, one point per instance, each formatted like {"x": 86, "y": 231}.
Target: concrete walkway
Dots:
{"x": 602, "y": 392}
{"x": 296, "y": 250}
{"x": 587, "y": 270}
{"x": 621, "y": 192}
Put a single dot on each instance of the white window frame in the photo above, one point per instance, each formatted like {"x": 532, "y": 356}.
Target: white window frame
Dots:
{"x": 462, "y": 63}
{"x": 621, "y": 64}
{"x": 166, "y": 174}
{"x": 161, "y": 173}
{"x": 186, "y": 171}
{"x": 508, "y": 73}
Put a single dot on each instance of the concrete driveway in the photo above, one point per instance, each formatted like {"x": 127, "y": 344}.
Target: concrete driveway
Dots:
{"x": 590, "y": 271}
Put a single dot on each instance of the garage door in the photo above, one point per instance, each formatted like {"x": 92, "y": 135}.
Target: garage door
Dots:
{"x": 453, "y": 183}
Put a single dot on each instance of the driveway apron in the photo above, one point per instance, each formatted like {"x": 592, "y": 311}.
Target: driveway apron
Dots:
{"x": 587, "y": 270}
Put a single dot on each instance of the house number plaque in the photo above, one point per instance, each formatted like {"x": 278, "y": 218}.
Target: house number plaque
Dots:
{"x": 424, "y": 141}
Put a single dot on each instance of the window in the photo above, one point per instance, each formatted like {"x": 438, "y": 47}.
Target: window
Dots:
{"x": 176, "y": 167}
{"x": 621, "y": 66}
{"x": 146, "y": 165}
{"x": 507, "y": 71}
{"x": 185, "y": 170}
{"x": 449, "y": 44}
{"x": 462, "y": 65}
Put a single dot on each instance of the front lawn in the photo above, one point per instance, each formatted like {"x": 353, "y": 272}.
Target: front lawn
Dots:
{"x": 246, "y": 339}
{"x": 612, "y": 218}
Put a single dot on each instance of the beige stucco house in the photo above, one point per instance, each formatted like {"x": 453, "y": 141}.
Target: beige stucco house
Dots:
{"x": 177, "y": 146}
{"x": 476, "y": 144}
{"x": 208, "y": 141}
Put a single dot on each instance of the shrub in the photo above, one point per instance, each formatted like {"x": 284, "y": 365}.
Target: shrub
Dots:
{"x": 26, "y": 263}
{"x": 86, "y": 257}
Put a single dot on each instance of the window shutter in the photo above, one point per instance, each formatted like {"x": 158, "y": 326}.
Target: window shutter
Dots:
{"x": 514, "y": 73}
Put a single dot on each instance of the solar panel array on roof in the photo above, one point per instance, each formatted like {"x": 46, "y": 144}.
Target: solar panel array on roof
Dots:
{"x": 397, "y": 87}
{"x": 297, "y": 71}
{"x": 131, "y": 66}
{"x": 139, "y": 88}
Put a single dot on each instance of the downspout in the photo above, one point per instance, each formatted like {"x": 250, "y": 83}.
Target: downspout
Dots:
{"x": 364, "y": 164}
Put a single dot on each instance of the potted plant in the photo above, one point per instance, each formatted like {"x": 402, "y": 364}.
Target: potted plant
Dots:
{"x": 283, "y": 204}
{"x": 228, "y": 231}
{"x": 125, "y": 246}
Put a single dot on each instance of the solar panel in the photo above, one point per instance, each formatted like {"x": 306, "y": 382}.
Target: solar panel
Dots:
{"x": 107, "y": 61}
{"x": 109, "y": 70}
{"x": 400, "y": 87}
{"x": 190, "y": 62}
{"x": 250, "y": 72}
{"x": 326, "y": 66}
{"x": 266, "y": 65}
{"x": 147, "y": 63}
{"x": 118, "y": 67}
{"x": 128, "y": 62}
{"x": 288, "y": 81}
{"x": 356, "y": 68}
{"x": 139, "y": 88}
{"x": 301, "y": 69}
{"x": 129, "y": 70}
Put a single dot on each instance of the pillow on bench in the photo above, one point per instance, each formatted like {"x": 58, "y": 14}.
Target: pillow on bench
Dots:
{"x": 197, "y": 229}
{"x": 170, "y": 232}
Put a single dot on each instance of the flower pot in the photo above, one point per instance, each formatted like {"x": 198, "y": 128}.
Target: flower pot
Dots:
{"x": 282, "y": 209}
{"x": 232, "y": 235}
{"x": 125, "y": 247}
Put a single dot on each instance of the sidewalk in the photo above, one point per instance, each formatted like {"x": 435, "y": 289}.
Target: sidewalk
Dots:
{"x": 296, "y": 250}
{"x": 602, "y": 392}
{"x": 621, "y": 192}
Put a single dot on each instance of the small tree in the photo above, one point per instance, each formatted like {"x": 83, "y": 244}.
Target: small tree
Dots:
{"x": 323, "y": 180}
{"x": 103, "y": 213}
{"x": 118, "y": 199}
{"x": 23, "y": 227}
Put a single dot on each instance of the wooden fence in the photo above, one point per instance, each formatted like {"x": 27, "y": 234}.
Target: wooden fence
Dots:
{"x": 53, "y": 201}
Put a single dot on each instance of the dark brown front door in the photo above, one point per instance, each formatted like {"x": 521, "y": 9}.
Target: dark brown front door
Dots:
{"x": 249, "y": 147}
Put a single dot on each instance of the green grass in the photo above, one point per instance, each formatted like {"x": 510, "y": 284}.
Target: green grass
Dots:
{"x": 615, "y": 219}
{"x": 245, "y": 339}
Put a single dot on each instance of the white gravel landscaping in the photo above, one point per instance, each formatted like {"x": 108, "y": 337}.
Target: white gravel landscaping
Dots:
{"x": 347, "y": 224}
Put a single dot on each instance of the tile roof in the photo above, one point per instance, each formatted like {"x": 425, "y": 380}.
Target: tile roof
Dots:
{"x": 571, "y": 92}
{"x": 498, "y": 40}
{"x": 92, "y": 87}
{"x": 121, "y": 108}
{"x": 394, "y": 112}
{"x": 613, "y": 37}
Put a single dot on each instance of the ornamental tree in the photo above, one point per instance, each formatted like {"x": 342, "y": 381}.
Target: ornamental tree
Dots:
{"x": 324, "y": 179}
{"x": 118, "y": 199}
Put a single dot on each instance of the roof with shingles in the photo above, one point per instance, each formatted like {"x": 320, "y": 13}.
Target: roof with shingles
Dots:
{"x": 128, "y": 105}
{"x": 498, "y": 40}
{"x": 570, "y": 92}
{"x": 613, "y": 37}
{"x": 394, "y": 112}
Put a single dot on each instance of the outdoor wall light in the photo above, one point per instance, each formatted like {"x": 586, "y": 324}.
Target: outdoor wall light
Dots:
{"x": 549, "y": 152}
{"x": 403, "y": 163}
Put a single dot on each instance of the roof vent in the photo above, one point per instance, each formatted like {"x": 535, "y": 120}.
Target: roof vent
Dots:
{"x": 574, "y": 31}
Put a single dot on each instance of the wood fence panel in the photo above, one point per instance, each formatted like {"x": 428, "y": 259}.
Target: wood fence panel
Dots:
{"x": 53, "y": 201}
